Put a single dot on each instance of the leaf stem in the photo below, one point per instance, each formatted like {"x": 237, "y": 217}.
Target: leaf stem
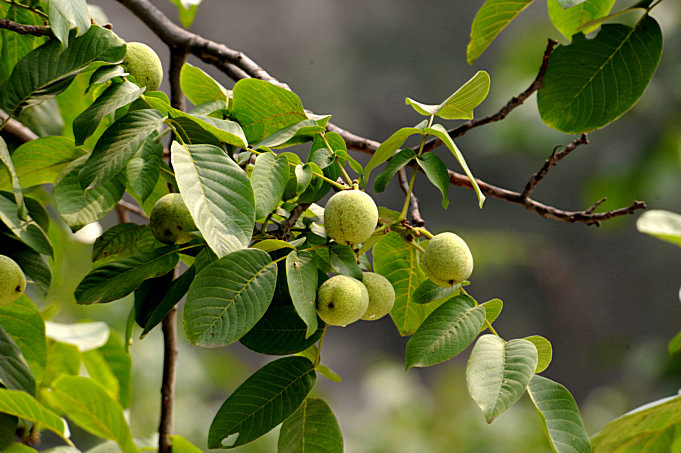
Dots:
{"x": 342, "y": 167}
{"x": 403, "y": 214}
{"x": 319, "y": 347}
{"x": 2, "y": 126}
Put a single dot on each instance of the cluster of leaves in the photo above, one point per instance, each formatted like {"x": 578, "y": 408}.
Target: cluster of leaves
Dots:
{"x": 260, "y": 252}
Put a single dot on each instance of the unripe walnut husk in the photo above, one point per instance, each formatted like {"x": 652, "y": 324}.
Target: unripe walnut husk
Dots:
{"x": 170, "y": 220}
{"x": 12, "y": 280}
{"x": 342, "y": 300}
{"x": 350, "y": 216}
{"x": 381, "y": 296}
{"x": 447, "y": 260}
{"x": 144, "y": 65}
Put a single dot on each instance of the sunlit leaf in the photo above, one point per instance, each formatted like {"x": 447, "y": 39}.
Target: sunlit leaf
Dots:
{"x": 544, "y": 351}
{"x": 268, "y": 179}
{"x": 460, "y": 105}
{"x": 280, "y": 332}
{"x": 23, "y": 405}
{"x": 572, "y": 20}
{"x": 199, "y": 87}
{"x": 661, "y": 224}
{"x": 14, "y": 372}
{"x": 22, "y": 321}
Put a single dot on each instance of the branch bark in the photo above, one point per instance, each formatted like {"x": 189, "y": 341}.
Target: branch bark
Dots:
{"x": 23, "y": 29}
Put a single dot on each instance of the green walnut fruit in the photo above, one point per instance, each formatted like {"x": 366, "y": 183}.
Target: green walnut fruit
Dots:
{"x": 342, "y": 300}
{"x": 170, "y": 220}
{"x": 350, "y": 217}
{"x": 12, "y": 280}
{"x": 381, "y": 296}
{"x": 447, "y": 260}
{"x": 144, "y": 65}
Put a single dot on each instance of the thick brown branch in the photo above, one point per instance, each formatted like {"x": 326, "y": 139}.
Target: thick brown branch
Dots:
{"x": 16, "y": 129}
{"x": 287, "y": 224}
{"x": 35, "y": 30}
{"x": 555, "y": 157}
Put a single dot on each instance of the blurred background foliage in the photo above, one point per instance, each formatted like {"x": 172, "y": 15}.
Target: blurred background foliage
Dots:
{"x": 606, "y": 297}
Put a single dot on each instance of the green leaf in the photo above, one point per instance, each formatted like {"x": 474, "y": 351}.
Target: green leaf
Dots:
{"x": 268, "y": 179}
{"x": 300, "y": 132}
{"x": 65, "y": 13}
{"x": 270, "y": 245}
{"x": 263, "y": 401}
{"x": 14, "y": 46}
{"x": 489, "y": 21}
{"x": 311, "y": 354}
{"x": 120, "y": 362}
{"x": 79, "y": 207}
{"x": 14, "y": 373}
{"x": 148, "y": 296}
{"x": 62, "y": 359}
{"x": 6, "y": 162}
{"x": 186, "y": 10}
{"x": 181, "y": 445}
{"x": 114, "y": 97}
{"x": 343, "y": 157}
{"x": 175, "y": 293}
{"x": 569, "y": 3}
{"x": 429, "y": 291}
{"x": 47, "y": 71}
{"x": 450, "y": 329}
{"x": 40, "y": 161}
{"x": 228, "y": 297}
{"x": 498, "y": 373}
{"x": 199, "y": 87}
{"x": 572, "y": 20}
{"x": 399, "y": 160}
{"x": 28, "y": 231}
{"x": 89, "y": 407}
{"x": 344, "y": 261}
{"x": 123, "y": 240}
{"x": 280, "y": 332}
{"x": 115, "y": 280}
{"x": 661, "y": 224}
{"x": 84, "y": 335}
{"x": 388, "y": 147}
{"x": 31, "y": 262}
{"x": 602, "y": 82}
{"x": 224, "y": 130}
{"x": 301, "y": 275}
{"x": 263, "y": 108}
{"x": 460, "y": 105}
{"x": 312, "y": 428}
{"x": 144, "y": 168}
{"x": 118, "y": 145}
{"x": 437, "y": 173}
{"x": 544, "y": 352}
{"x": 674, "y": 344}
{"x": 398, "y": 262}
{"x": 218, "y": 194}
{"x": 559, "y": 415}
{"x": 100, "y": 372}
{"x": 105, "y": 73}
{"x": 16, "y": 447}
{"x": 637, "y": 425}
{"x": 23, "y": 405}
{"x": 492, "y": 310}
{"x": 440, "y": 132}
{"x": 24, "y": 324}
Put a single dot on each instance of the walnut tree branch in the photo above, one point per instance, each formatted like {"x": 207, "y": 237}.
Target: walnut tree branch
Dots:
{"x": 414, "y": 211}
{"x": 23, "y": 29}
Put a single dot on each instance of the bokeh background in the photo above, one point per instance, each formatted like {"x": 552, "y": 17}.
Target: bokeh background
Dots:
{"x": 607, "y": 298}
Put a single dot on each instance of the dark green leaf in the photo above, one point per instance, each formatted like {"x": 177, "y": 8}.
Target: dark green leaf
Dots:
{"x": 115, "y": 96}
{"x": 79, "y": 207}
{"x": 268, "y": 179}
{"x": 228, "y": 297}
{"x": 40, "y": 161}
{"x": 14, "y": 372}
{"x": 450, "y": 329}
{"x": 118, "y": 145}
{"x": 489, "y": 21}
{"x": 144, "y": 168}
{"x": 23, "y": 405}
{"x": 31, "y": 262}
{"x": 14, "y": 46}
{"x": 192, "y": 133}
{"x": 297, "y": 133}
{"x": 121, "y": 277}
{"x": 24, "y": 324}
{"x": 399, "y": 160}
{"x": 498, "y": 373}
{"x": 148, "y": 296}
{"x": 312, "y": 428}
{"x": 199, "y": 87}
{"x": 123, "y": 240}
{"x": 47, "y": 71}
{"x": 559, "y": 415}
{"x": 429, "y": 291}
{"x": 6, "y": 164}
{"x": 280, "y": 332}
{"x": 105, "y": 73}
{"x": 592, "y": 82}
{"x": 175, "y": 293}
{"x": 263, "y": 401}
{"x": 344, "y": 261}
{"x": 437, "y": 173}
{"x": 218, "y": 194}
{"x": 88, "y": 406}
{"x": 301, "y": 274}
{"x": 388, "y": 147}
{"x": 28, "y": 231}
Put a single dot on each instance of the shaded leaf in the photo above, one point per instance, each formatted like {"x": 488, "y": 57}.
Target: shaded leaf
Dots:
{"x": 300, "y": 132}
{"x": 34, "y": 265}
{"x": 119, "y": 278}
{"x": 312, "y": 428}
{"x": 218, "y": 194}
{"x": 428, "y": 291}
{"x": 559, "y": 415}
{"x": 344, "y": 261}
{"x": 268, "y": 179}
{"x": 175, "y": 293}
{"x": 603, "y": 84}
{"x": 6, "y": 162}
{"x": 123, "y": 240}
{"x": 450, "y": 329}
{"x": 301, "y": 275}
{"x": 144, "y": 168}
{"x": 399, "y": 160}
{"x": 14, "y": 372}
{"x": 28, "y": 231}
{"x": 437, "y": 173}
{"x": 498, "y": 373}
{"x": 280, "y": 332}
{"x": 228, "y": 297}
{"x": 263, "y": 401}
{"x": 389, "y": 146}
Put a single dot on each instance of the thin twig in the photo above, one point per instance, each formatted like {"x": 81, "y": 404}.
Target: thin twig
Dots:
{"x": 122, "y": 204}
{"x": 286, "y": 225}
{"x": 555, "y": 157}
{"x": 414, "y": 212}
{"x": 16, "y": 129}
{"x": 23, "y": 29}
